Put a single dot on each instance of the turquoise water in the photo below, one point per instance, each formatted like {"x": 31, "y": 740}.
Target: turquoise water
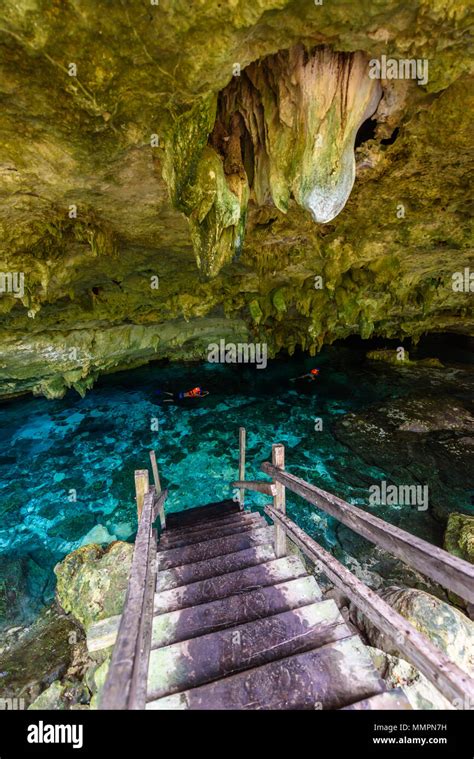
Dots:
{"x": 66, "y": 466}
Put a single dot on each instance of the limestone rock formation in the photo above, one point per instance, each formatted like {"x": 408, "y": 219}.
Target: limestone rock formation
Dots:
{"x": 146, "y": 149}
{"x": 450, "y": 630}
{"x": 411, "y": 436}
{"x": 91, "y": 582}
{"x": 38, "y": 655}
{"x": 459, "y": 536}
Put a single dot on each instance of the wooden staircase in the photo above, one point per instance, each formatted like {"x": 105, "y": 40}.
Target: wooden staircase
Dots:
{"x": 236, "y": 628}
{"x": 221, "y": 614}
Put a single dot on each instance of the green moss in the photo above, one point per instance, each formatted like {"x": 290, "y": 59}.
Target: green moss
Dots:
{"x": 86, "y": 141}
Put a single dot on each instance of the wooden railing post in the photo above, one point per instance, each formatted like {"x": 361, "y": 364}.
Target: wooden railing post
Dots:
{"x": 142, "y": 486}
{"x": 156, "y": 478}
{"x": 279, "y": 500}
{"x": 242, "y": 438}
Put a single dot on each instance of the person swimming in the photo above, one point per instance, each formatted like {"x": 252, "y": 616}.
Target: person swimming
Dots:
{"x": 196, "y": 392}
{"x": 310, "y": 376}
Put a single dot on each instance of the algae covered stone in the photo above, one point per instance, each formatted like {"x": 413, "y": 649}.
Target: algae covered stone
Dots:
{"x": 165, "y": 173}
{"x": 459, "y": 536}
{"x": 447, "y": 628}
{"x": 40, "y": 655}
{"x": 92, "y": 582}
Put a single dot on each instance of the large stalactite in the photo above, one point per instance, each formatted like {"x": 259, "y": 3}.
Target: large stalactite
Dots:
{"x": 285, "y": 128}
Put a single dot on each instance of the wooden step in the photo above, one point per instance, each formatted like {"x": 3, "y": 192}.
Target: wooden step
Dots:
{"x": 192, "y": 621}
{"x": 209, "y": 549}
{"x": 201, "y": 570}
{"x": 209, "y": 523}
{"x": 220, "y": 654}
{"x": 390, "y": 699}
{"x": 329, "y": 677}
{"x": 206, "y": 534}
{"x": 228, "y": 584}
{"x": 234, "y": 610}
{"x": 198, "y": 513}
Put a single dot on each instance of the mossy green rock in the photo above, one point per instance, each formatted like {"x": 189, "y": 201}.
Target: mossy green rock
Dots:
{"x": 459, "y": 536}
{"x": 39, "y": 657}
{"x": 393, "y": 357}
{"x": 50, "y": 699}
{"x": 400, "y": 356}
{"x": 450, "y": 630}
{"x": 117, "y": 202}
{"x": 92, "y": 582}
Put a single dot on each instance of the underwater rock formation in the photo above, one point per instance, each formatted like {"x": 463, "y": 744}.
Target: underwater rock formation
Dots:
{"x": 411, "y": 437}
{"x": 35, "y": 656}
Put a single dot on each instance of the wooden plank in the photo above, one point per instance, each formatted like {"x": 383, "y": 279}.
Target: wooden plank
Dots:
{"x": 137, "y": 698}
{"x": 201, "y": 513}
{"x": 208, "y": 528}
{"x": 217, "y": 532}
{"x": 259, "y": 486}
{"x": 116, "y": 692}
{"x": 449, "y": 571}
{"x": 159, "y": 507}
{"x": 201, "y": 595}
{"x": 329, "y": 677}
{"x": 446, "y": 676}
{"x": 279, "y": 500}
{"x": 256, "y": 603}
{"x": 209, "y": 549}
{"x": 222, "y": 585}
{"x": 242, "y": 444}
{"x": 219, "y": 654}
{"x": 154, "y": 468}
{"x": 142, "y": 487}
{"x": 201, "y": 570}
{"x": 210, "y": 523}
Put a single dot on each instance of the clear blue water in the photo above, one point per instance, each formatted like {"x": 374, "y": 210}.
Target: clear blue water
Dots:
{"x": 66, "y": 466}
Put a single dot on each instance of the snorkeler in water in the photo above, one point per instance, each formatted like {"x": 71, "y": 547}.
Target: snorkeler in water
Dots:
{"x": 196, "y": 392}
{"x": 310, "y": 376}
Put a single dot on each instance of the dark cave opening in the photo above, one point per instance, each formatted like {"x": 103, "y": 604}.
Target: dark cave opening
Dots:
{"x": 365, "y": 132}
{"x": 390, "y": 140}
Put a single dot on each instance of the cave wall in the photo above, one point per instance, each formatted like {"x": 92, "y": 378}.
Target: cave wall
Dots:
{"x": 131, "y": 250}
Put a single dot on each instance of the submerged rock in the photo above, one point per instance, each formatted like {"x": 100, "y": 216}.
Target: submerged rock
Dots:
{"x": 92, "y": 582}
{"x": 412, "y": 437}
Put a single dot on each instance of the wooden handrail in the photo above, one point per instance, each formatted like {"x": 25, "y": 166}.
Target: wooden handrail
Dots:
{"x": 159, "y": 507}
{"x": 445, "y": 675}
{"x": 242, "y": 444}
{"x": 124, "y": 688}
{"x": 258, "y": 486}
{"x": 449, "y": 571}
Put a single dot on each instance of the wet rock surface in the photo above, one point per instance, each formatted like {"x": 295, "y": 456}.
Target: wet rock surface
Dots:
{"x": 448, "y": 628}
{"x": 414, "y": 437}
{"x": 99, "y": 166}
{"x": 91, "y": 582}
{"x": 39, "y": 655}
